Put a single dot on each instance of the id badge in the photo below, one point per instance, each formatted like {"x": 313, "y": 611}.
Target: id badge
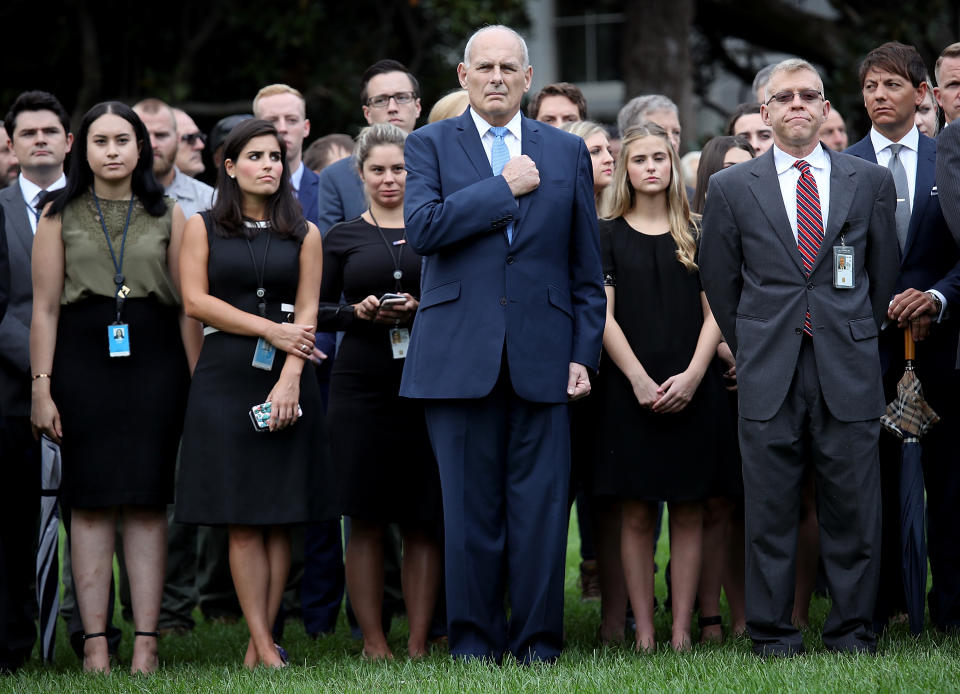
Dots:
{"x": 264, "y": 355}
{"x": 843, "y": 267}
{"x": 399, "y": 342}
{"x": 118, "y": 340}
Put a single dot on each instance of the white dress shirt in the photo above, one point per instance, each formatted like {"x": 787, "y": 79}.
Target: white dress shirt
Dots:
{"x": 31, "y": 197}
{"x": 788, "y": 175}
{"x": 296, "y": 178}
{"x": 908, "y": 155}
{"x": 511, "y": 139}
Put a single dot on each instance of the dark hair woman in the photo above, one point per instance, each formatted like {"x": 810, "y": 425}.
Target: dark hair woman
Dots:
{"x": 109, "y": 365}
{"x": 723, "y": 515}
{"x": 251, "y": 272}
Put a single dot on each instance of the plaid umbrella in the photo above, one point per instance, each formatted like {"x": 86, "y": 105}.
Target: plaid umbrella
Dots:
{"x": 909, "y": 417}
{"x": 48, "y": 579}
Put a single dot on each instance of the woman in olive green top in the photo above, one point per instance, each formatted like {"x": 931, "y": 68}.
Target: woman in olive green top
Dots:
{"x": 109, "y": 349}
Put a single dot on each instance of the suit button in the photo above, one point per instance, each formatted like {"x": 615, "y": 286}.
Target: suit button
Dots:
{"x": 503, "y": 301}
{"x": 809, "y": 285}
{"x": 511, "y": 260}
{"x": 798, "y": 331}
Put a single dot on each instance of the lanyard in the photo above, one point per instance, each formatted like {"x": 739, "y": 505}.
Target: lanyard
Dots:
{"x": 395, "y": 259}
{"x": 33, "y": 210}
{"x": 261, "y": 292}
{"x": 118, "y": 278}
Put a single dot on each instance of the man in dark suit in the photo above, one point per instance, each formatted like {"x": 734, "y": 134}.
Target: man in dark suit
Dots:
{"x": 390, "y": 94}
{"x": 947, "y": 91}
{"x": 510, "y": 319}
{"x": 893, "y": 81}
{"x": 39, "y": 129}
{"x": 808, "y": 364}
{"x": 322, "y": 583}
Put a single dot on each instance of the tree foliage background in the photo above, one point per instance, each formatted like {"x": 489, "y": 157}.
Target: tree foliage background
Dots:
{"x": 211, "y": 56}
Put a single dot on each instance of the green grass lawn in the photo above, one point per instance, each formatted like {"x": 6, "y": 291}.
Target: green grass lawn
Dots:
{"x": 208, "y": 660}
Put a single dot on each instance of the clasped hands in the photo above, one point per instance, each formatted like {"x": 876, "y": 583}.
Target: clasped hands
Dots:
{"x": 671, "y": 396}
{"x": 914, "y": 308}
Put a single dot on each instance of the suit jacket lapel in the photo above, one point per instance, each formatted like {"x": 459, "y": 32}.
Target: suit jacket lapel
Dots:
{"x": 15, "y": 211}
{"x": 842, "y": 189}
{"x": 926, "y": 172}
{"x": 766, "y": 189}
{"x": 529, "y": 145}
{"x": 470, "y": 141}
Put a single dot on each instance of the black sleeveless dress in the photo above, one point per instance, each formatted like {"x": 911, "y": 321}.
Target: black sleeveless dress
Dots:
{"x": 230, "y": 473}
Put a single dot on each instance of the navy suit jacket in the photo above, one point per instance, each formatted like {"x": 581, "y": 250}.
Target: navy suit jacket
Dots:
{"x": 309, "y": 195}
{"x": 341, "y": 194}
{"x": 930, "y": 259}
{"x": 539, "y": 300}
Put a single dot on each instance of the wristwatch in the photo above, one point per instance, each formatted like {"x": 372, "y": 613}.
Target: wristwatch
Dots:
{"x": 936, "y": 302}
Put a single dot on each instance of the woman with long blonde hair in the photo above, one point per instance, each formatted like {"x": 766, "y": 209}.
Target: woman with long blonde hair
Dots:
{"x": 659, "y": 437}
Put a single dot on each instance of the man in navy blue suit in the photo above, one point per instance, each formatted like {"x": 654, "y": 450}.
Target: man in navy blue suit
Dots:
{"x": 323, "y": 577}
{"x": 390, "y": 94}
{"x": 510, "y": 320}
{"x": 892, "y": 79}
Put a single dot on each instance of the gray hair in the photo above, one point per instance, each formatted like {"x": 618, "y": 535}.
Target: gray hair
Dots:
{"x": 638, "y": 108}
{"x": 789, "y": 65}
{"x": 524, "y": 53}
{"x": 374, "y": 136}
{"x": 762, "y": 77}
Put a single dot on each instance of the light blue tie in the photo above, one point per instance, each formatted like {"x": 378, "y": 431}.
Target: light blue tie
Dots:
{"x": 499, "y": 156}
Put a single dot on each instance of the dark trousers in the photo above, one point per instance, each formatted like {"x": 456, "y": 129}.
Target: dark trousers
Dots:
{"x": 19, "y": 514}
{"x": 504, "y": 472}
{"x": 321, "y": 590}
{"x": 845, "y": 464}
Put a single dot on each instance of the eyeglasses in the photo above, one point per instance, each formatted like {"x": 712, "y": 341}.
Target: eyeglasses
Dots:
{"x": 383, "y": 100}
{"x": 807, "y": 96}
{"x": 191, "y": 138}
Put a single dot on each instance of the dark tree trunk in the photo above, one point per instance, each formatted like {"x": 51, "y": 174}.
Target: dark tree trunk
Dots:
{"x": 656, "y": 52}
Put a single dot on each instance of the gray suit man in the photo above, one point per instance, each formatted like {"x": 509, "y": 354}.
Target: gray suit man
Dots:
{"x": 808, "y": 366}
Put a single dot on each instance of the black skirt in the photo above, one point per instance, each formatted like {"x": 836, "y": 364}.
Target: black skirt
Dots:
{"x": 122, "y": 416}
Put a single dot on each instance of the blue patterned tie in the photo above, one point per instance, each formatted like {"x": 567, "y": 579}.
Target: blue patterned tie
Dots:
{"x": 499, "y": 156}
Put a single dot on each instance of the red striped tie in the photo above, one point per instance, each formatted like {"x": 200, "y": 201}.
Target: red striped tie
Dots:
{"x": 809, "y": 225}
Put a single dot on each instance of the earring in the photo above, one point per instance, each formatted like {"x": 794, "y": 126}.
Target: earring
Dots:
{"x": 232, "y": 175}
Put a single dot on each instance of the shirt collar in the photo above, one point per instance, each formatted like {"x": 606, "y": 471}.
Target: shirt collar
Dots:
{"x": 296, "y": 177}
{"x": 783, "y": 161}
{"x": 880, "y": 141}
{"x": 483, "y": 126}
{"x": 29, "y": 189}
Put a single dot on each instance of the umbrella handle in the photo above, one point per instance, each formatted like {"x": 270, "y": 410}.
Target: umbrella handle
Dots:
{"x": 909, "y": 346}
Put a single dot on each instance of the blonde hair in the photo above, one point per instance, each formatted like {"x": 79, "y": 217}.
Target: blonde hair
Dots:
{"x": 450, "y": 105}
{"x": 684, "y": 226}
{"x": 374, "y": 136}
{"x": 273, "y": 90}
{"x": 585, "y": 129}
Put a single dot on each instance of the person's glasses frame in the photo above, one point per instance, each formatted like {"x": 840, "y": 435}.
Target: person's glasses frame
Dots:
{"x": 191, "y": 138}
{"x": 807, "y": 96}
{"x": 383, "y": 100}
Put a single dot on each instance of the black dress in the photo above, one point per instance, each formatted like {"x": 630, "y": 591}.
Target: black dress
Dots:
{"x": 658, "y": 457}
{"x": 121, "y": 416}
{"x": 385, "y": 466}
{"x": 230, "y": 473}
